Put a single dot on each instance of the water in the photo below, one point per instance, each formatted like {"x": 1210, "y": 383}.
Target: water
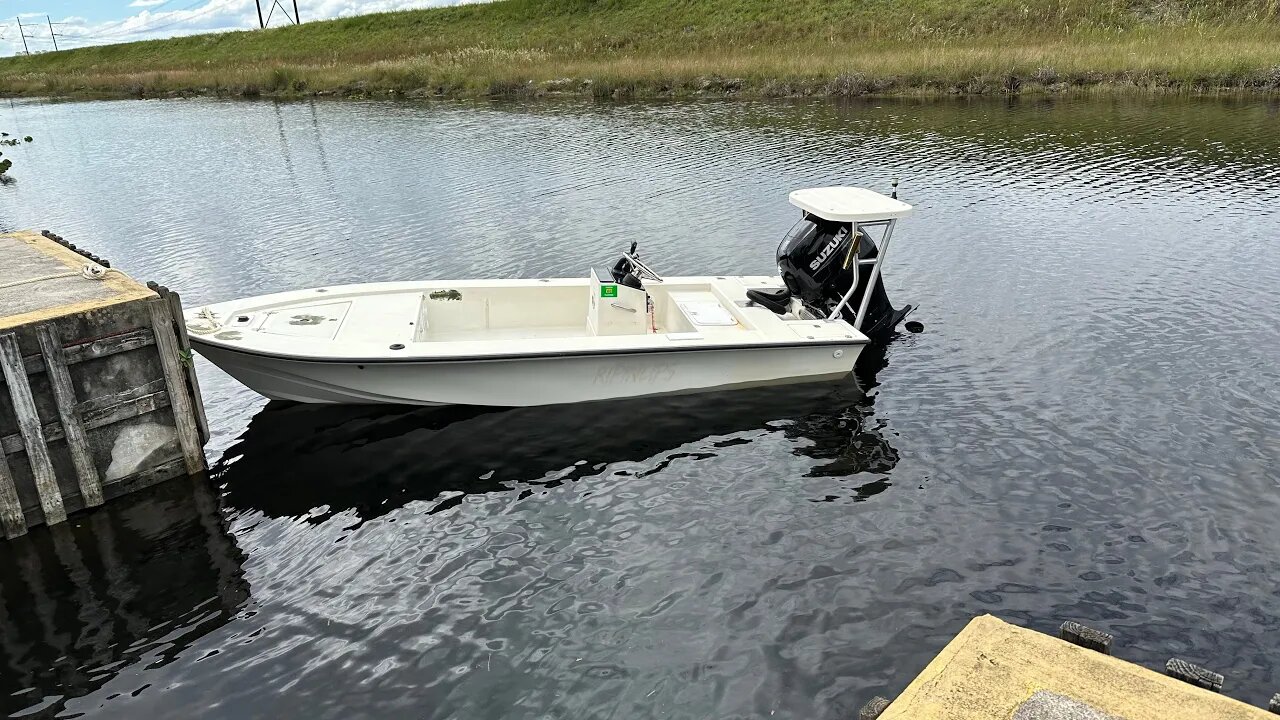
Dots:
{"x": 1088, "y": 429}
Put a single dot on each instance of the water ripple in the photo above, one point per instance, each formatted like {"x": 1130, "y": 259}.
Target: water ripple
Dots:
{"x": 1087, "y": 430}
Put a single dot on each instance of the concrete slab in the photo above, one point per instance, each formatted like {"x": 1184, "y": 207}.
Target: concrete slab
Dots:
{"x": 40, "y": 280}
{"x": 996, "y": 670}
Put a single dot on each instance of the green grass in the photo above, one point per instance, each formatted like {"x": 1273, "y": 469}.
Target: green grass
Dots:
{"x": 692, "y": 47}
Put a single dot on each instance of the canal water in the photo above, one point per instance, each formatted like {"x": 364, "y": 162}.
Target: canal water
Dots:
{"x": 1088, "y": 429}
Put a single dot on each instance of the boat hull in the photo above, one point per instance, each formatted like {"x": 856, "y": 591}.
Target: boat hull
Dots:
{"x": 526, "y": 381}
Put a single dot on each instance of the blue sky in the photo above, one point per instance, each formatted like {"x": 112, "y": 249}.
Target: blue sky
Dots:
{"x": 93, "y": 22}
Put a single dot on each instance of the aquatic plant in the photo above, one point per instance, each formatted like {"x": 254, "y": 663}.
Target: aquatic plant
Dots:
{"x": 7, "y": 141}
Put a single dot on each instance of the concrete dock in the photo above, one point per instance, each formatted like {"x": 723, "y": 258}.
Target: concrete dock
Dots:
{"x": 98, "y": 395}
{"x": 996, "y": 670}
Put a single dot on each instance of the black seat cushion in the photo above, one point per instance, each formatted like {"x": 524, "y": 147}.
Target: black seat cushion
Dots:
{"x": 775, "y": 300}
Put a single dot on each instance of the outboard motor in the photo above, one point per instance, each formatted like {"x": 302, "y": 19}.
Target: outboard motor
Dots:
{"x": 830, "y": 250}
{"x": 818, "y": 260}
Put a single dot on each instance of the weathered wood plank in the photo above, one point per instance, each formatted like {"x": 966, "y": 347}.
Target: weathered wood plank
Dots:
{"x": 131, "y": 404}
{"x": 102, "y": 402}
{"x": 94, "y": 349}
{"x": 184, "y": 341}
{"x": 64, "y": 396}
{"x": 126, "y": 410}
{"x": 11, "y": 517}
{"x": 119, "y": 487}
{"x": 175, "y": 380}
{"x": 24, "y": 408}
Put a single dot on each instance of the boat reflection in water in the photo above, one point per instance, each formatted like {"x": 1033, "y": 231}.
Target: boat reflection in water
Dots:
{"x": 316, "y": 461}
{"x": 134, "y": 581}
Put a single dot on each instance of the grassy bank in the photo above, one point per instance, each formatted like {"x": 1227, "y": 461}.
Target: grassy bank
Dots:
{"x": 698, "y": 47}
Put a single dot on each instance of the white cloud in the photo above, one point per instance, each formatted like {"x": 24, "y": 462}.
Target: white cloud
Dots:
{"x": 200, "y": 16}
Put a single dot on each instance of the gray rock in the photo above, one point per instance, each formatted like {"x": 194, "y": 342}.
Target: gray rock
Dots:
{"x": 1044, "y": 705}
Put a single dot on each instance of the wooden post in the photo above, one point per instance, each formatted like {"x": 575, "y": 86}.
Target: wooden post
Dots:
{"x": 874, "y": 708}
{"x": 64, "y": 395}
{"x": 176, "y": 382}
{"x": 1194, "y": 674}
{"x": 184, "y": 340}
{"x": 24, "y": 407}
{"x": 1086, "y": 637}
{"x": 11, "y": 516}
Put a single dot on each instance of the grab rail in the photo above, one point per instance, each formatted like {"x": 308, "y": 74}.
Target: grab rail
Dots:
{"x": 871, "y": 279}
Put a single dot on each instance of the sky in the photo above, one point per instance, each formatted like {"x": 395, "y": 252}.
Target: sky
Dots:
{"x": 97, "y": 22}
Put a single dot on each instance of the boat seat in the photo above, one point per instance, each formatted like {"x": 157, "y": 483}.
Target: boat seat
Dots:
{"x": 775, "y": 300}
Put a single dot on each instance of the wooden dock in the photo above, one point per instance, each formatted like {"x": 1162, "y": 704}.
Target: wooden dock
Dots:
{"x": 996, "y": 670}
{"x": 98, "y": 396}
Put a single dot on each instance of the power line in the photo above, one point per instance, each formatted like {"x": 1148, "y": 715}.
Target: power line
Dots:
{"x": 154, "y": 8}
{"x": 202, "y": 13}
{"x": 123, "y": 32}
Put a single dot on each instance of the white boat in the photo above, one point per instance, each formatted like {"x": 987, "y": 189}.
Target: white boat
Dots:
{"x": 621, "y": 332}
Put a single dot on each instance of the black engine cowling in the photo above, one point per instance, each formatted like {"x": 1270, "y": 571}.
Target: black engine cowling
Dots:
{"x": 818, "y": 262}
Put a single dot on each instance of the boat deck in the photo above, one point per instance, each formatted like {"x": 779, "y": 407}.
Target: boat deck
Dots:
{"x": 493, "y": 318}
{"x": 515, "y": 333}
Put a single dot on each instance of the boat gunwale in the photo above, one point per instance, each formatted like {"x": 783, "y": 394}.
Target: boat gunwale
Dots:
{"x": 547, "y": 355}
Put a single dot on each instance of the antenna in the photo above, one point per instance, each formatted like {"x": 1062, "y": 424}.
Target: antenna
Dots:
{"x": 53, "y": 35}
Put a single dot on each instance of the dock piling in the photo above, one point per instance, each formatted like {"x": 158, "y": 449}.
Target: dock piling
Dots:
{"x": 33, "y": 440}
{"x": 11, "y": 516}
{"x": 64, "y": 395}
{"x": 175, "y": 307}
{"x": 176, "y": 383}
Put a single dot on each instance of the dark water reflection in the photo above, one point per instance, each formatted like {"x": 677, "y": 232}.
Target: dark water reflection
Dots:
{"x": 130, "y": 586}
{"x": 1088, "y": 429}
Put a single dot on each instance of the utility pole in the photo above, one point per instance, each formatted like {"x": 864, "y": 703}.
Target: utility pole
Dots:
{"x": 284, "y": 11}
{"x": 24, "y": 35}
{"x": 53, "y": 35}
{"x": 272, "y": 11}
